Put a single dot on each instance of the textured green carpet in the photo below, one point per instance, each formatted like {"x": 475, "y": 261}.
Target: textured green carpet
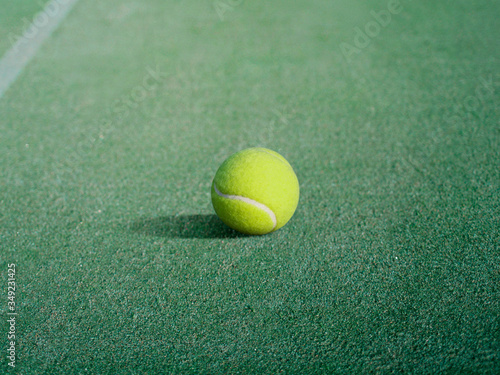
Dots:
{"x": 111, "y": 136}
{"x": 15, "y": 19}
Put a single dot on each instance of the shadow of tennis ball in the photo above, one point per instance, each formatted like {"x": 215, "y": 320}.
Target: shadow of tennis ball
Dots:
{"x": 184, "y": 226}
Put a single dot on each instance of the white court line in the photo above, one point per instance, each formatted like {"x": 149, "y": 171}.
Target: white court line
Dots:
{"x": 26, "y": 47}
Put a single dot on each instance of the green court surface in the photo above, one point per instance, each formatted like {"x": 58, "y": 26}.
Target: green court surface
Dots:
{"x": 15, "y": 17}
{"x": 388, "y": 112}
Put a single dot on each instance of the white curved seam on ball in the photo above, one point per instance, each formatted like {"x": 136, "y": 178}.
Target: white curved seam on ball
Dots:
{"x": 249, "y": 201}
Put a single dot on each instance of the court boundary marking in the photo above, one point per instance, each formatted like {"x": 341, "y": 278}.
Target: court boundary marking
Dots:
{"x": 25, "y": 48}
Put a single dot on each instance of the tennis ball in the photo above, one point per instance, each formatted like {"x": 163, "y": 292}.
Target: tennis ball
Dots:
{"x": 255, "y": 191}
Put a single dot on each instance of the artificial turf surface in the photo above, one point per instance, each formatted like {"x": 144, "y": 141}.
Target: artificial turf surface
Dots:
{"x": 109, "y": 141}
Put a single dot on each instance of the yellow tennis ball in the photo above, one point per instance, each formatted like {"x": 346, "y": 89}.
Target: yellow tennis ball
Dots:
{"x": 255, "y": 191}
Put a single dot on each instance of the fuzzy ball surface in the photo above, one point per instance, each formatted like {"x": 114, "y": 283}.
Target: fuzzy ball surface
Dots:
{"x": 255, "y": 191}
